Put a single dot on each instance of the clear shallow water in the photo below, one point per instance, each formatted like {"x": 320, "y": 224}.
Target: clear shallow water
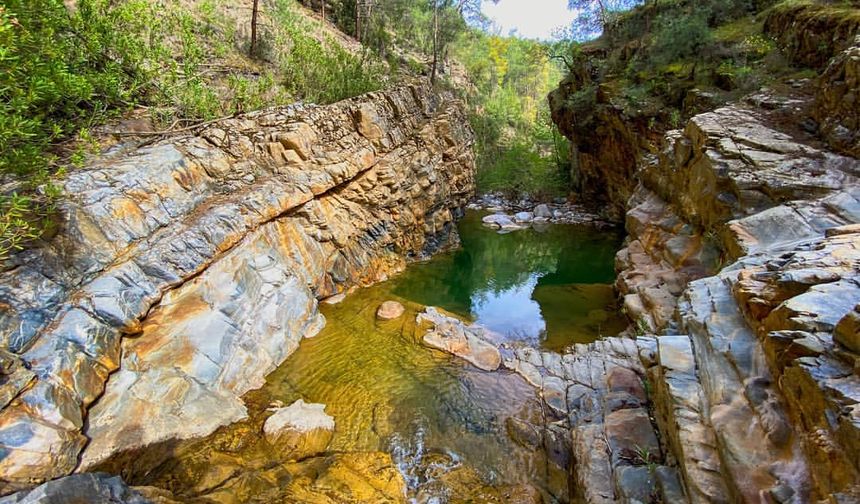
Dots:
{"x": 442, "y": 420}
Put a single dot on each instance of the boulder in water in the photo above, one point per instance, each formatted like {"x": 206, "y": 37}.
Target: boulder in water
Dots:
{"x": 502, "y": 222}
{"x": 390, "y": 310}
{"x": 302, "y": 429}
{"x": 543, "y": 210}
{"x": 453, "y": 336}
{"x": 523, "y": 217}
{"x": 497, "y": 220}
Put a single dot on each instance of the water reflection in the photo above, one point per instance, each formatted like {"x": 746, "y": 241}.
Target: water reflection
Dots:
{"x": 549, "y": 287}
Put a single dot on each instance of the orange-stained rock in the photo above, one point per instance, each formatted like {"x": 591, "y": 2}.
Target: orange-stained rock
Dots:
{"x": 213, "y": 250}
{"x": 467, "y": 342}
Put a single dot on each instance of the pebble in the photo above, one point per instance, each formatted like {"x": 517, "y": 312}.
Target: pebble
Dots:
{"x": 514, "y": 215}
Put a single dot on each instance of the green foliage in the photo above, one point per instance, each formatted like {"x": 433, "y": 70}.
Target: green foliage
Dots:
{"x": 321, "y": 72}
{"x": 675, "y": 118}
{"x": 66, "y": 69}
{"x": 60, "y": 71}
{"x": 23, "y": 219}
{"x": 679, "y": 36}
{"x": 518, "y": 149}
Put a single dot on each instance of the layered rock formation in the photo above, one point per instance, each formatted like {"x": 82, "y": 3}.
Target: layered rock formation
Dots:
{"x": 764, "y": 401}
{"x": 189, "y": 269}
{"x": 727, "y": 186}
{"x": 740, "y": 277}
{"x": 606, "y": 144}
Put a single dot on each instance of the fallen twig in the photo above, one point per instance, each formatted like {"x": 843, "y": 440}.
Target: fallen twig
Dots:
{"x": 170, "y": 130}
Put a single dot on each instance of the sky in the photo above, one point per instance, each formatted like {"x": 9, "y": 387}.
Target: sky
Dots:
{"x": 530, "y": 18}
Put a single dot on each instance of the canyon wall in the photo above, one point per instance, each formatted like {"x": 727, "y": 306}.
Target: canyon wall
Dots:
{"x": 741, "y": 277}
{"x": 186, "y": 270}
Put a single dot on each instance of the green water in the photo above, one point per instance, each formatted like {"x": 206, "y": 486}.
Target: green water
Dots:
{"x": 388, "y": 392}
{"x": 546, "y": 287}
{"x": 441, "y": 419}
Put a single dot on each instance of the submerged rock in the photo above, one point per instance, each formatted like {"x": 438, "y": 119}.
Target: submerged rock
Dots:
{"x": 502, "y": 222}
{"x": 95, "y": 488}
{"x": 333, "y": 300}
{"x": 467, "y": 342}
{"x": 523, "y": 433}
{"x": 390, "y": 310}
{"x": 302, "y": 429}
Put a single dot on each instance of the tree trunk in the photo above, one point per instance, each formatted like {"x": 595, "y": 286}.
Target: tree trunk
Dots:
{"x": 435, "y": 41}
{"x": 603, "y": 13}
{"x": 358, "y": 20}
{"x": 253, "y": 50}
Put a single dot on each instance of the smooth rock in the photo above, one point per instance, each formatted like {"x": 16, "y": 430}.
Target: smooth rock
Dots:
{"x": 635, "y": 485}
{"x": 631, "y": 435}
{"x": 300, "y": 429}
{"x": 622, "y": 379}
{"x": 88, "y": 488}
{"x": 333, "y": 300}
{"x": 453, "y": 336}
{"x": 847, "y": 332}
{"x": 390, "y": 310}
{"x": 543, "y": 211}
{"x": 523, "y": 217}
{"x": 499, "y": 221}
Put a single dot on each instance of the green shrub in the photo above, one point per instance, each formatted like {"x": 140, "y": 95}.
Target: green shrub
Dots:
{"x": 64, "y": 70}
{"x": 679, "y": 36}
{"x": 322, "y": 72}
{"x": 518, "y": 169}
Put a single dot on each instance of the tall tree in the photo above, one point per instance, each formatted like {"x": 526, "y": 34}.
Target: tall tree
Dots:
{"x": 594, "y": 15}
{"x": 254, "y": 11}
{"x": 449, "y": 19}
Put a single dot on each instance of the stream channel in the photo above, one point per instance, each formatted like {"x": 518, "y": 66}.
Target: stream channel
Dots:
{"x": 402, "y": 407}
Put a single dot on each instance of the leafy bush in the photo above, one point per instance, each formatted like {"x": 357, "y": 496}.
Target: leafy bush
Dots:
{"x": 679, "y": 36}
{"x": 518, "y": 169}
{"x": 323, "y": 73}
{"x": 61, "y": 70}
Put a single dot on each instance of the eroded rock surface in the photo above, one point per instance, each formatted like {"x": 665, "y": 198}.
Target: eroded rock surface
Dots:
{"x": 188, "y": 270}
{"x": 451, "y": 335}
{"x": 743, "y": 255}
{"x": 742, "y": 258}
{"x": 81, "y": 489}
{"x": 727, "y": 186}
{"x": 596, "y": 396}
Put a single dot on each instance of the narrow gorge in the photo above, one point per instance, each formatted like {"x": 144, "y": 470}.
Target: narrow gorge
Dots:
{"x": 323, "y": 303}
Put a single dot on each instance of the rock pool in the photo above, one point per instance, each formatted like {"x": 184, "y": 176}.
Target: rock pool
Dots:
{"x": 403, "y": 410}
